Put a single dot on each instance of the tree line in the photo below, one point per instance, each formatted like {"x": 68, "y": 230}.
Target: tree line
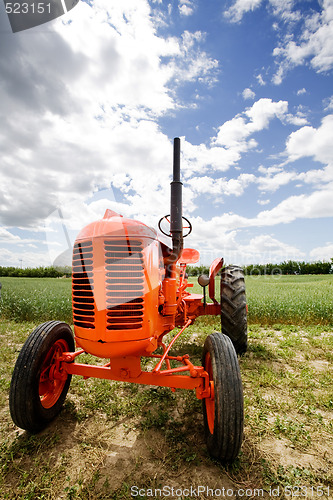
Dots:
{"x": 291, "y": 267}
{"x": 286, "y": 267}
{"x": 35, "y": 272}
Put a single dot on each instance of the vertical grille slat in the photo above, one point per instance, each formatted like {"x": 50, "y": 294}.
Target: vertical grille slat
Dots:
{"x": 124, "y": 284}
{"x": 83, "y": 285}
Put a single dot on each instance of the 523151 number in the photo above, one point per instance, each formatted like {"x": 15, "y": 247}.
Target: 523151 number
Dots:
{"x": 307, "y": 491}
{"x": 28, "y": 8}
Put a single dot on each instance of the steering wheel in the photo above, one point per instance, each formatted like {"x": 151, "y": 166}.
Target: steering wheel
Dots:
{"x": 167, "y": 218}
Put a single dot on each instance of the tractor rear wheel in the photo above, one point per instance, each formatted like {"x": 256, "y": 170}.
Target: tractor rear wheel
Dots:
{"x": 36, "y": 395}
{"x": 233, "y": 307}
{"x": 223, "y": 410}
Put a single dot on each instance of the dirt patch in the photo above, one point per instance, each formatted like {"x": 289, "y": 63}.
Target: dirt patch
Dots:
{"x": 319, "y": 365}
{"x": 90, "y": 453}
{"x": 133, "y": 457}
{"x": 282, "y": 452}
{"x": 123, "y": 458}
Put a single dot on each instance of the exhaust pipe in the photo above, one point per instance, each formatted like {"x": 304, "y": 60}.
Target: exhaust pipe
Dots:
{"x": 176, "y": 231}
{"x": 176, "y": 209}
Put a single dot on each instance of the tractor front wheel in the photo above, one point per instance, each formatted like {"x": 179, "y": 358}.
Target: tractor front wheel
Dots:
{"x": 233, "y": 307}
{"x": 223, "y": 410}
{"x": 37, "y": 390}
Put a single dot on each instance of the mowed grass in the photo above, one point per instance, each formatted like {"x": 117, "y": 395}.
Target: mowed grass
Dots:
{"x": 302, "y": 300}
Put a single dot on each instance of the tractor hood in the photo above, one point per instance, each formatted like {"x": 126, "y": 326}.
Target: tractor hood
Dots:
{"x": 116, "y": 225}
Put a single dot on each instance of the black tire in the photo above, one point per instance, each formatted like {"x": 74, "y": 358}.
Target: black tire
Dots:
{"x": 233, "y": 307}
{"x": 224, "y": 413}
{"x": 35, "y": 399}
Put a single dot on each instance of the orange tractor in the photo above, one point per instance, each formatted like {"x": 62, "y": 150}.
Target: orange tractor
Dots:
{"x": 129, "y": 289}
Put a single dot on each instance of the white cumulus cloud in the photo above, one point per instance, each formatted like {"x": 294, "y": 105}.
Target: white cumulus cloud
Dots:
{"x": 234, "y": 133}
{"x": 7, "y": 236}
{"x": 272, "y": 250}
{"x": 221, "y": 186}
{"x": 239, "y": 8}
{"x": 72, "y": 120}
{"x": 322, "y": 253}
{"x": 248, "y": 94}
{"x": 186, "y": 7}
{"x": 313, "y": 46}
{"x": 309, "y": 141}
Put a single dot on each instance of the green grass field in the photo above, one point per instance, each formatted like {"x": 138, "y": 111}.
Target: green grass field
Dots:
{"x": 302, "y": 300}
{"x": 36, "y": 299}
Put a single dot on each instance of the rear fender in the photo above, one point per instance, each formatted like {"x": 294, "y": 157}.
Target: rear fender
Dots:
{"x": 213, "y": 270}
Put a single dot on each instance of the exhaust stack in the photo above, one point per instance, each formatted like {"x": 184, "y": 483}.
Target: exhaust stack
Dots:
{"x": 176, "y": 209}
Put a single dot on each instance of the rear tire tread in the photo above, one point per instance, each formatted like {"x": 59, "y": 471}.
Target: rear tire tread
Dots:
{"x": 233, "y": 307}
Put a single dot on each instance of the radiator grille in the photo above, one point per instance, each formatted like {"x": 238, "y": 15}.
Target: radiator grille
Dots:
{"x": 124, "y": 276}
{"x": 83, "y": 285}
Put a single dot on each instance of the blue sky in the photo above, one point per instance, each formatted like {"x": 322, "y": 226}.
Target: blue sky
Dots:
{"x": 91, "y": 101}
